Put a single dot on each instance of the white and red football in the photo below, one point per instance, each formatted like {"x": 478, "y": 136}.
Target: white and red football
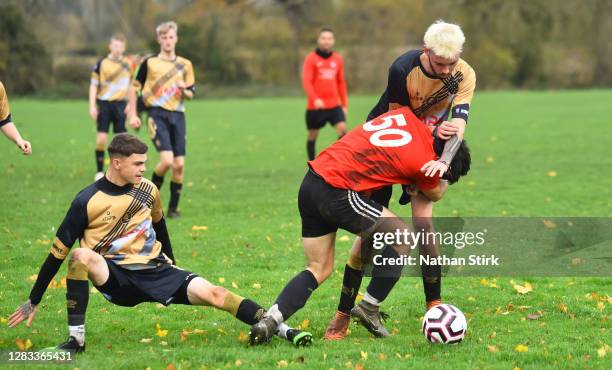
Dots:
{"x": 444, "y": 323}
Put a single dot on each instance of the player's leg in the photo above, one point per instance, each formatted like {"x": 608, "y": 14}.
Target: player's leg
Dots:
{"x": 177, "y": 138}
{"x": 338, "y": 121}
{"x": 83, "y": 265}
{"x": 320, "y": 262}
{"x": 201, "y": 292}
{"x": 102, "y": 126}
{"x": 159, "y": 132}
{"x": 314, "y": 122}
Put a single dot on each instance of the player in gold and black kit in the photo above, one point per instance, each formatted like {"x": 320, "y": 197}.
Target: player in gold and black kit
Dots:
{"x": 126, "y": 252}
{"x": 110, "y": 81}
{"x": 165, "y": 81}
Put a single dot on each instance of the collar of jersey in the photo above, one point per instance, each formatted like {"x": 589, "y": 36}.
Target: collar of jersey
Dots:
{"x": 323, "y": 54}
{"x": 112, "y": 189}
{"x": 424, "y": 70}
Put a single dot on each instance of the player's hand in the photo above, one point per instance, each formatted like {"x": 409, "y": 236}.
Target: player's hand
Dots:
{"x": 345, "y": 110}
{"x": 447, "y": 129}
{"x": 318, "y": 103}
{"x": 127, "y": 110}
{"x": 431, "y": 168}
{"x": 25, "y": 146}
{"x": 26, "y": 311}
{"x": 135, "y": 121}
{"x": 180, "y": 84}
{"x": 93, "y": 113}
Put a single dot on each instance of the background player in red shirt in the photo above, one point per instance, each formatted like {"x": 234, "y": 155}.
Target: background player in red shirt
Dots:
{"x": 323, "y": 81}
{"x": 391, "y": 149}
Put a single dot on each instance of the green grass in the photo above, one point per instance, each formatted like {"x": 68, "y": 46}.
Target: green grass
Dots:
{"x": 245, "y": 161}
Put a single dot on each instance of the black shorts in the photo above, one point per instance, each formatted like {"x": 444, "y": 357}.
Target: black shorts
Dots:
{"x": 165, "y": 284}
{"x": 317, "y": 118}
{"x": 324, "y": 208}
{"x": 111, "y": 111}
{"x": 167, "y": 130}
{"x": 382, "y": 196}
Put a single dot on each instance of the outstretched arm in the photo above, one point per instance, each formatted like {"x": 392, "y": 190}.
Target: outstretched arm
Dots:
{"x": 161, "y": 233}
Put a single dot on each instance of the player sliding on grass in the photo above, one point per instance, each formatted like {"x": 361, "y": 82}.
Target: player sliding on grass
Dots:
{"x": 435, "y": 83}
{"x": 323, "y": 81}
{"x": 126, "y": 252}
{"x": 8, "y": 127}
{"x": 108, "y": 91}
{"x": 165, "y": 81}
{"x": 391, "y": 149}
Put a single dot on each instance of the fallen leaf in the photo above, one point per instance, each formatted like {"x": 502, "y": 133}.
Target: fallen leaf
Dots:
{"x": 521, "y": 348}
{"x": 238, "y": 363}
{"x": 304, "y": 324}
{"x": 600, "y": 306}
{"x": 523, "y": 289}
{"x": 534, "y": 316}
{"x": 344, "y": 238}
{"x": 552, "y": 173}
{"x": 382, "y": 356}
{"x": 234, "y": 285}
{"x": 282, "y": 363}
{"x": 364, "y": 355}
{"x": 243, "y": 336}
{"x": 492, "y": 348}
{"x": 490, "y": 159}
{"x": 549, "y": 224}
{"x": 198, "y": 228}
{"x": 562, "y": 307}
{"x": 146, "y": 340}
{"x": 159, "y": 331}
{"x": 221, "y": 280}
{"x": 256, "y": 285}
{"x": 184, "y": 335}
{"x": 23, "y": 345}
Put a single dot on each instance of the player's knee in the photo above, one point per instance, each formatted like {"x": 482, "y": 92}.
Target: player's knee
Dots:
{"x": 165, "y": 163}
{"x": 321, "y": 272}
{"x": 80, "y": 255}
{"x": 178, "y": 168}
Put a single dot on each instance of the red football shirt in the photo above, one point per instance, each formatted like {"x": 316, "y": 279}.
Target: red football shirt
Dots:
{"x": 323, "y": 78}
{"x": 390, "y": 149}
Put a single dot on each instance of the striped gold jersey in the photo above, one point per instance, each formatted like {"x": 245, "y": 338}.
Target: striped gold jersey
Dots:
{"x": 5, "y": 111}
{"x": 158, "y": 80}
{"x": 112, "y": 76}
{"x": 116, "y": 222}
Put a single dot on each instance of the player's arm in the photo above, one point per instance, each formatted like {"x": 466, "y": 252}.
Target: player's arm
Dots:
{"x": 159, "y": 225}
{"x": 7, "y": 126}
{"x": 342, "y": 88}
{"x": 70, "y": 230}
{"x": 436, "y": 192}
{"x": 308, "y": 73}
{"x": 397, "y": 91}
{"x": 93, "y": 91}
{"x": 187, "y": 85}
{"x": 136, "y": 85}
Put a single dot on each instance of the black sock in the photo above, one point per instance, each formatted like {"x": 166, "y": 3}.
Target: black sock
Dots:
{"x": 99, "y": 160}
{"x": 296, "y": 293}
{"x": 350, "y": 288}
{"x": 310, "y": 148}
{"x": 77, "y": 298}
{"x": 249, "y": 312}
{"x": 157, "y": 180}
{"x": 432, "y": 281}
{"x": 384, "y": 278}
{"x": 175, "y": 194}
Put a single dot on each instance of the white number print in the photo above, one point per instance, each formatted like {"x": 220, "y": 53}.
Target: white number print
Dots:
{"x": 401, "y": 137}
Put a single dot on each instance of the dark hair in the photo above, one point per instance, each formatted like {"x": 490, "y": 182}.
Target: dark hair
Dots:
{"x": 326, "y": 29}
{"x": 460, "y": 165}
{"x": 125, "y": 145}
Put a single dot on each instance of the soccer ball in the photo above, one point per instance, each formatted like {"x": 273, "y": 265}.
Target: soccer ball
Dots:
{"x": 444, "y": 323}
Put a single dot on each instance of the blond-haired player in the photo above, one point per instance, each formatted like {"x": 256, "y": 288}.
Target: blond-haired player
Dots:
{"x": 8, "y": 127}
{"x": 437, "y": 85}
{"x": 165, "y": 81}
{"x": 110, "y": 81}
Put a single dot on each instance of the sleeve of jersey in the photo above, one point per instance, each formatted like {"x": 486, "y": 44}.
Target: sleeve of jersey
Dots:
{"x": 397, "y": 91}
{"x": 141, "y": 75}
{"x": 190, "y": 77}
{"x": 461, "y": 104}
{"x": 5, "y": 112}
{"x": 307, "y": 77}
{"x": 342, "y": 86}
{"x": 427, "y": 183}
{"x": 95, "y": 74}
{"x": 71, "y": 229}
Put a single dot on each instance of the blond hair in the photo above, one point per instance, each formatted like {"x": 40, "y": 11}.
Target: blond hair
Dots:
{"x": 163, "y": 28}
{"x": 444, "y": 39}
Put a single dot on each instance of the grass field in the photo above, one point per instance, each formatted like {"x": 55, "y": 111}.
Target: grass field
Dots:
{"x": 534, "y": 154}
